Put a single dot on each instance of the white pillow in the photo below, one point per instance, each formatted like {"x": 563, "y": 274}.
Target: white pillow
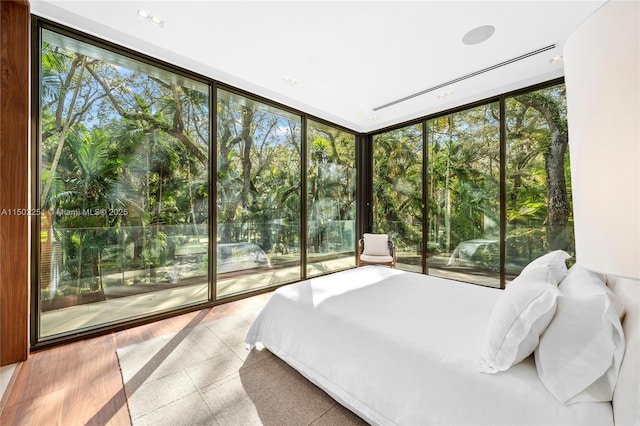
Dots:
{"x": 518, "y": 318}
{"x": 523, "y": 312}
{"x": 550, "y": 267}
{"x": 376, "y": 245}
{"x": 580, "y": 353}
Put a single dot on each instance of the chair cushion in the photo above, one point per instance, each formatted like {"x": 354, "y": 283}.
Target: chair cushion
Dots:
{"x": 375, "y": 259}
{"x": 376, "y": 245}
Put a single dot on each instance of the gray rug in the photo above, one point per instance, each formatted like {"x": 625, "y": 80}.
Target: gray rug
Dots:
{"x": 204, "y": 375}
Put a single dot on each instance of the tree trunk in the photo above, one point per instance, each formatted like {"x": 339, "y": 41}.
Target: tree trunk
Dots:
{"x": 247, "y": 138}
{"x": 558, "y": 208}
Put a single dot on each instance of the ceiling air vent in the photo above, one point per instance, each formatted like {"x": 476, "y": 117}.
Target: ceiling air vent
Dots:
{"x": 464, "y": 77}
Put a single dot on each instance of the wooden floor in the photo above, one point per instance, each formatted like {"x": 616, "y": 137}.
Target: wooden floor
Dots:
{"x": 80, "y": 383}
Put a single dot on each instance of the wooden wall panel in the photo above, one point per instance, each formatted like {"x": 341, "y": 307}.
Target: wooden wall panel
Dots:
{"x": 14, "y": 180}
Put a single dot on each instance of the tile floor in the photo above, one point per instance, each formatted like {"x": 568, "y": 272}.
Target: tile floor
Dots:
{"x": 205, "y": 375}
{"x": 81, "y": 383}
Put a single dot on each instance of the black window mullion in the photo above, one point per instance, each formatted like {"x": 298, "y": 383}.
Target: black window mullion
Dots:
{"x": 503, "y": 189}
{"x": 303, "y": 197}
{"x": 213, "y": 193}
{"x": 425, "y": 182}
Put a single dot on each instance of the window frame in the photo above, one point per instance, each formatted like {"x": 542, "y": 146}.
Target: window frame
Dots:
{"x": 363, "y": 163}
{"x": 367, "y": 208}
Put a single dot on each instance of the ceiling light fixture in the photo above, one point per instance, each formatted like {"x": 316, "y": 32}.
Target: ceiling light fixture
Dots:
{"x": 445, "y": 94}
{"x": 290, "y": 81}
{"x": 146, "y": 16}
{"x": 478, "y": 34}
{"x": 555, "y": 60}
{"x": 369, "y": 117}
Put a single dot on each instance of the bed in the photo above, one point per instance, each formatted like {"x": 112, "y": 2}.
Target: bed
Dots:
{"x": 403, "y": 348}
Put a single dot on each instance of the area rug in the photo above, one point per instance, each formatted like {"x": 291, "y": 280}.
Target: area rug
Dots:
{"x": 203, "y": 374}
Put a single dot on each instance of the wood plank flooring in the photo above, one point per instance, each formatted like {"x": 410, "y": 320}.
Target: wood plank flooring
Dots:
{"x": 80, "y": 383}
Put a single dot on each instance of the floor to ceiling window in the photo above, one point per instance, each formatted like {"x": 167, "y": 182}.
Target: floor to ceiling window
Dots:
{"x": 397, "y": 192}
{"x": 467, "y": 224}
{"x": 331, "y": 198}
{"x": 125, "y": 225}
{"x": 258, "y": 195}
{"x": 463, "y": 193}
{"x": 538, "y": 199}
{"x": 123, "y": 187}
{"x": 128, "y": 224}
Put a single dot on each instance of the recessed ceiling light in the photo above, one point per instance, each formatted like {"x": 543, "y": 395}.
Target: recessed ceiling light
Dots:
{"x": 478, "y": 34}
{"x": 146, "y": 16}
{"x": 445, "y": 94}
{"x": 290, "y": 81}
{"x": 368, "y": 116}
{"x": 555, "y": 60}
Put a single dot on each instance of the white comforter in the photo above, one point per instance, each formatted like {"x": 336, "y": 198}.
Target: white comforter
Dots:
{"x": 402, "y": 348}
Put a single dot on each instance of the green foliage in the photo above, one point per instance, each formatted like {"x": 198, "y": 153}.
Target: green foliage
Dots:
{"x": 463, "y": 179}
{"x": 122, "y": 153}
{"x": 134, "y": 147}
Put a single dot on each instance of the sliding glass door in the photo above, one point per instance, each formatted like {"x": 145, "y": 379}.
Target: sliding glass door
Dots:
{"x": 473, "y": 233}
{"x": 538, "y": 185}
{"x": 397, "y": 192}
{"x": 331, "y": 198}
{"x": 257, "y": 195}
{"x": 123, "y": 186}
{"x": 463, "y": 192}
{"x": 128, "y": 225}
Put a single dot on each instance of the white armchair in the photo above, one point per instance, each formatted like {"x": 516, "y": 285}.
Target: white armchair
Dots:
{"x": 376, "y": 249}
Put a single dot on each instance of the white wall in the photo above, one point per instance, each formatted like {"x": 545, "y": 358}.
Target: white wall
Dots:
{"x": 603, "y": 101}
{"x": 602, "y": 76}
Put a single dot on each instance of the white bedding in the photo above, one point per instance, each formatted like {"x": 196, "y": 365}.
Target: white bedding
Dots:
{"x": 403, "y": 348}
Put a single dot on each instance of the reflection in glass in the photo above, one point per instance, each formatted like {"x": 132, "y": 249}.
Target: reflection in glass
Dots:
{"x": 464, "y": 196}
{"x": 397, "y": 192}
{"x": 258, "y": 195}
{"x": 123, "y": 188}
{"x": 331, "y": 203}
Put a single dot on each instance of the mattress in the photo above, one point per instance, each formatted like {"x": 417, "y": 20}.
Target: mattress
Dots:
{"x": 400, "y": 348}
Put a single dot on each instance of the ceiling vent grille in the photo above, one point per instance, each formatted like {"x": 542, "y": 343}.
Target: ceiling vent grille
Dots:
{"x": 464, "y": 77}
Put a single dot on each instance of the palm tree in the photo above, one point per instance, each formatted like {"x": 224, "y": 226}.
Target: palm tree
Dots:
{"x": 95, "y": 191}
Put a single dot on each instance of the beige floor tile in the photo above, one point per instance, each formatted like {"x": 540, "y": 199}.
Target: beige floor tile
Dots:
{"x": 207, "y": 374}
{"x": 190, "y": 410}
{"x": 158, "y": 393}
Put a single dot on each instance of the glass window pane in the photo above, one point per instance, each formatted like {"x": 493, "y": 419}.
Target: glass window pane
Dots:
{"x": 464, "y": 196}
{"x": 397, "y": 192}
{"x": 258, "y": 195}
{"x": 124, "y": 186}
{"x": 331, "y": 201}
{"x": 539, "y": 208}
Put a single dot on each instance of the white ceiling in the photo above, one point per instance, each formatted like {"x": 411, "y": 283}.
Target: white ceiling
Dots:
{"x": 347, "y": 57}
